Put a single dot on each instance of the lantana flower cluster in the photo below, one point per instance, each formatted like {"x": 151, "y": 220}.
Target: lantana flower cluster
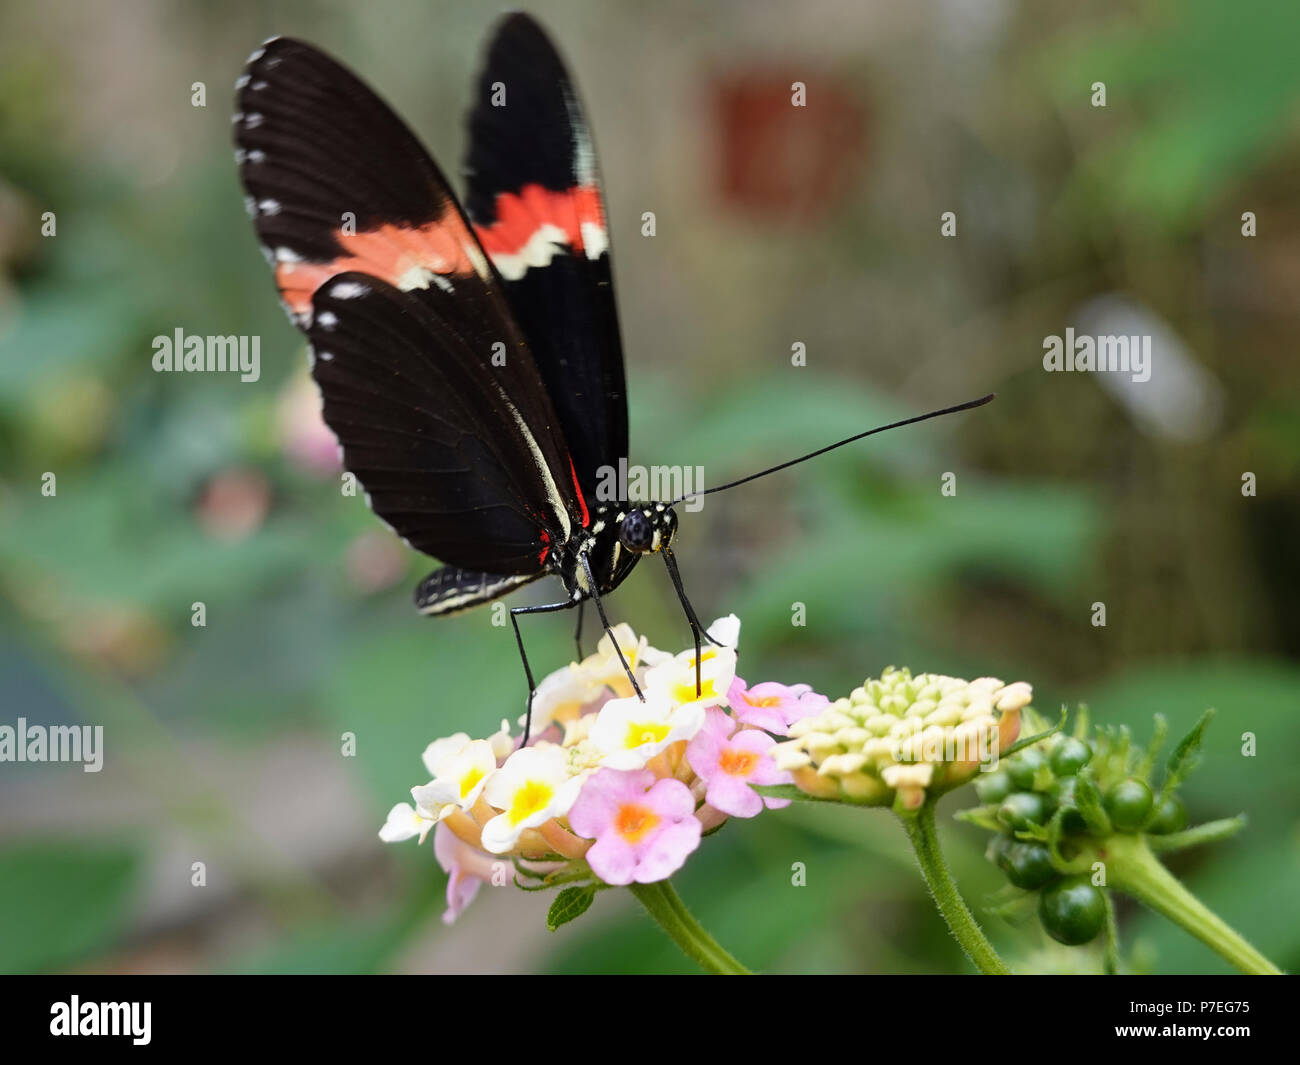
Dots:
{"x": 898, "y": 737}
{"x": 612, "y": 787}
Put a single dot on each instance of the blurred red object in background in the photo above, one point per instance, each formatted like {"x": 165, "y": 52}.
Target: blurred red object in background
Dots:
{"x": 782, "y": 160}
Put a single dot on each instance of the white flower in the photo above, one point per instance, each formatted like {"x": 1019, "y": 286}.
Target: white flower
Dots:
{"x": 1014, "y": 697}
{"x": 459, "y": 781}
{"x": 627, "y": 732}
{"x": 503, "y": 744}
{"x": 404, "y": 822}
{"x": 562, "y": 695}
{"x": 532, "y": 787}
{"x": 917, "y": 775}
{"x": 604, "y": 668}
{"x": 440, "y": 749}
{"x": 726, "y": 631}
{"x": 675, "y": 678}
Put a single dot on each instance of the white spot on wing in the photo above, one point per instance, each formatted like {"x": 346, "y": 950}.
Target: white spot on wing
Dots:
{"x": 348, "y": 290}
{"x": 252, "y": 120}
{"x": 415, "y": 277}
{"x": 546, "y": 242}
{"x": 269, "y": 206}
{"x": 595, "y": 241}
{"x": 327, "y": 320}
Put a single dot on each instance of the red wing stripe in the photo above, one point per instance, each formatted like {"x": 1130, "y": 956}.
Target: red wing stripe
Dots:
{"x": 400, "y": 255}
{"x": 532, "y": 223}
{"x": 582, "y": 502}
{"x": 528, "y": 229}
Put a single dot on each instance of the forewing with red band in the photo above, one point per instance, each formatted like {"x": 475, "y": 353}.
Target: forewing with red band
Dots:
{"x": 536, "y": 203}
{"x": 427, "y": 378}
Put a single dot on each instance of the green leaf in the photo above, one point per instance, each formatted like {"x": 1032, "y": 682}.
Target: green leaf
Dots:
{"x": 60, "y": 903}
{"x": 1158, "y": 737}
{"x": 1088, "y": 800}
{"x": 1184, "y": 758}
{"x": 1210, "y": 832}
{"x": 1027, "y": 741}
{"x": 789, "y": 791}
{"x": 570, "y": 904}
{"x": 1244, "y": 765}
{"x": 982, "y": 816}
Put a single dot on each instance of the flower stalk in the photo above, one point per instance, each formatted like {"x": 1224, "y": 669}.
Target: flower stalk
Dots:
{"x": 920, "y": 827}
{"x": 1134, "y": 870}
{"x": 664, "y": 904}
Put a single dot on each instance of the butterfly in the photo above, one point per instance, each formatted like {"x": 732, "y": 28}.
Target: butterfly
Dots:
{"x": 468, "y": 357}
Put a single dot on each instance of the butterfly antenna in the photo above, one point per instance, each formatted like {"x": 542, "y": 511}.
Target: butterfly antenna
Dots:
{"x": 840, "y": 443}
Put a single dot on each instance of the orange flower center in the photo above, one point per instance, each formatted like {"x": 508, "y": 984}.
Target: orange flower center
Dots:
{"x": 738, "y": 763}
{"x": 635, "y": 821}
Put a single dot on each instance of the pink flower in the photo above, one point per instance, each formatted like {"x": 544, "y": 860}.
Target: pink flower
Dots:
{"x": 773, "y": 707}
{"x": 467, "y": 867}
{"x": 643, "y": 828}
{"x": 730, "y": 762}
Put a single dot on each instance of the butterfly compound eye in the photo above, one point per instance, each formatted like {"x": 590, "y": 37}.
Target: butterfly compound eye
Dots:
{"x": 636, "y": 532}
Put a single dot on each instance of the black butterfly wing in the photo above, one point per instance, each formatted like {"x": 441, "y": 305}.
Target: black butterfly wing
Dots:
{"x": 440, "y": 444}
{"x": 538, "y": 208}
{"x": 450, "y": 590}
{"x": 336, "y": 182}
{"x": 427, "y": 379}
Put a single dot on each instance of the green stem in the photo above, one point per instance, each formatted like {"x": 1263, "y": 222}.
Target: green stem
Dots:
{"x": 664, "y": 904}
{"x": 925, "y": 841}
{"x": 1133, "y": 869}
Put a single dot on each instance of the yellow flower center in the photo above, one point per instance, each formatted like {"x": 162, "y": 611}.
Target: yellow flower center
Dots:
{"x": 738, "y": 763}
{"x": 642, "y": 732}
{"x": 685, "y": 692}
{"x": 527, "y": 800}
{"x": 634, "y": 821}
{"x": 468, "y": 781}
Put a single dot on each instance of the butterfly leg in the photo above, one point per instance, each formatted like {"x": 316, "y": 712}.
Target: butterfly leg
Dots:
{"x": 577, "y": 629}
{"x": 697, "y": 629}
{"x": 600, "y": 609}
{"x": 515, "y": 611}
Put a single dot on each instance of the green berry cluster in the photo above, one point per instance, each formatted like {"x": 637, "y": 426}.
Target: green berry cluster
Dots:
{"x": 1050, "y": 802}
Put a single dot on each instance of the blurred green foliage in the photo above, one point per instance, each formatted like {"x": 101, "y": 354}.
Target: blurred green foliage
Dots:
{"x": 1061, "y": 501}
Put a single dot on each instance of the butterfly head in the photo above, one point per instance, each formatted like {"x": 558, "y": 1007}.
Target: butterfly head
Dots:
{"x": 647, "y": 529}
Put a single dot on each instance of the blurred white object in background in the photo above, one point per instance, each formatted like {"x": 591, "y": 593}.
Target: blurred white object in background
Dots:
{"x": 1182, "y": 400}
